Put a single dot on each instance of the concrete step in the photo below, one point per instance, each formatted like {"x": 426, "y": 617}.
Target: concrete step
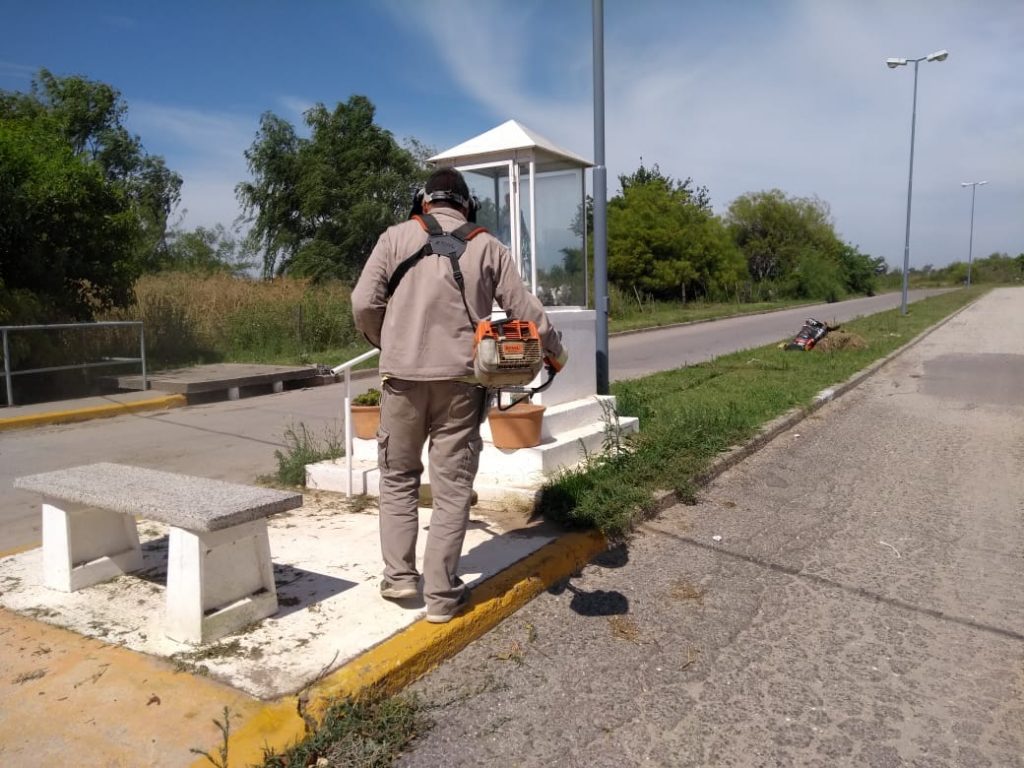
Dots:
{"x": 502, "y": 471}
{"x": 558, "y": 420}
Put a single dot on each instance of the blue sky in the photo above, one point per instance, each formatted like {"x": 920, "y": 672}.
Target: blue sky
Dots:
{"x": 742, "y": 96}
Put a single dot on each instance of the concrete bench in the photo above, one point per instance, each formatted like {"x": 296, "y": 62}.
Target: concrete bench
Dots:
{"x": 219, "y": 573}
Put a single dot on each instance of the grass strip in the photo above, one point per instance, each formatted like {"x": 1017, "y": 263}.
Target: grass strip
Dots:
{"x": 368, "y": 733}
{"x": 662, "y": 313}
{"x": 690, "y": 415}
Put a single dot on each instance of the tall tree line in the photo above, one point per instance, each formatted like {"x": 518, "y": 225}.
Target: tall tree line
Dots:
{"x": 84, "y": 210}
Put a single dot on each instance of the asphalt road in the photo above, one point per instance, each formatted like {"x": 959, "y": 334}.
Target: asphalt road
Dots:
{"x": 848, "y": 596}
{"x": 641, "y": 354}
{"x": 236, "y": 440}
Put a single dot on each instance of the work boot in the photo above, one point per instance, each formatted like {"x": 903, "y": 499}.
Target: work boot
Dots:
{"x": 390, "y": 591}
{"x": 444, "y": 618}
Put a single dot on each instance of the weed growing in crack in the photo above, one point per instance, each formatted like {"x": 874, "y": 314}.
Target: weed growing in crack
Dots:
{"x": 220, "y": 760}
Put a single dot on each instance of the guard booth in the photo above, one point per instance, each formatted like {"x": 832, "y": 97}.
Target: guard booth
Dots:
{"x": 532, "y": 197}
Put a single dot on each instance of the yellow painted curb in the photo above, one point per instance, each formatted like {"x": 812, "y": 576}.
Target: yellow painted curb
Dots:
{"x": 401, "y": 659}
{"x": 95, "y": 412}
{"x": 19, "y": 550}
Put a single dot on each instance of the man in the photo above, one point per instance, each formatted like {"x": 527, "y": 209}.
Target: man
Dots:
{"x": 429, "y": 391}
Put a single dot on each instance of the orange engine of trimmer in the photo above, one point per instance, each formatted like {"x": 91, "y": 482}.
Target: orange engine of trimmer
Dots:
{"x": 508, "y": 353}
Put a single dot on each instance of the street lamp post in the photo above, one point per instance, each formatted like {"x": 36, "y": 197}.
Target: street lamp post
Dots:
{"x": 892, "y": 64}
{"x": 970, "y": 247}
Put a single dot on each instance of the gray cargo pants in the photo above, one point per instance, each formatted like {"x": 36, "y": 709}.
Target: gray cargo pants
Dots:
{"x": 448, "y": 413}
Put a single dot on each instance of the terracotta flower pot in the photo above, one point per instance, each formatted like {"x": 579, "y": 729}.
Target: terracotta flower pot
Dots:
{"x": 365, "y": 420}
{"x": 518, "y": 427}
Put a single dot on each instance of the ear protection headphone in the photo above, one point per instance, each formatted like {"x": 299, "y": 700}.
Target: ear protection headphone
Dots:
{"x": 470, "y": 204}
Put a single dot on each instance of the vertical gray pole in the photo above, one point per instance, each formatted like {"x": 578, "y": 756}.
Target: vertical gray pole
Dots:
{"x": 970, "y": 246}
{"x": 910, "y": 190}
{"x": 142, "y": 355}
{"x": 7, "y": 370}
{"x": 600, "y": 207}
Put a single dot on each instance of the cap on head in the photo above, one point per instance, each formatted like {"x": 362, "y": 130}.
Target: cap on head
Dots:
{"x": 447, "y": 185}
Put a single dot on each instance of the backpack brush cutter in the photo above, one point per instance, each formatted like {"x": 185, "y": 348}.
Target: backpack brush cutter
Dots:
{"x": 507, "y": 356}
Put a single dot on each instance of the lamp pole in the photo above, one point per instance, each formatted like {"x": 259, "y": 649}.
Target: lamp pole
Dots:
{"x": 970, "y": 243}
{"x": 600, "y": 209}
{"x": 892, "y": 64}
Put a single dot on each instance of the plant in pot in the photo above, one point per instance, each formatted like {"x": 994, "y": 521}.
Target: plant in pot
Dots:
{"x": 518, "y": 426}
{"x": 366, "y": 414}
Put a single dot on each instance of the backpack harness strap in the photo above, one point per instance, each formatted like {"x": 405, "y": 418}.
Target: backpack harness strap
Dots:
{"x": 449, "y": 244}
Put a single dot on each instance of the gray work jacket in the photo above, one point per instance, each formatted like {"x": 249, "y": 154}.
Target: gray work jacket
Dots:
{"x": 423, "y": 332}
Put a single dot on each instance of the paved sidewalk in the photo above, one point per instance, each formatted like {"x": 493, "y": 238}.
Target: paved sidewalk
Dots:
{"x": 100, "y": 675}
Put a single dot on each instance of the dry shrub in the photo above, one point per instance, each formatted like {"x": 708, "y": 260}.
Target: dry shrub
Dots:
{"x": 837, "y": 340}
{"x": 193, "y": 317}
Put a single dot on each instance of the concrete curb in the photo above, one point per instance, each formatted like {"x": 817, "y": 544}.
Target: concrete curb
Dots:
{"x": 116, "y": 409}
{"x": 96, "y": 412}
{"x": 402, "y": 658}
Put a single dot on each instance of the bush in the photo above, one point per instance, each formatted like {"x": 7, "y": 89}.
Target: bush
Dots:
{"x": 303, "y": 447}
{"x": 817, "y": 277}
{"x": 192, "y": 317}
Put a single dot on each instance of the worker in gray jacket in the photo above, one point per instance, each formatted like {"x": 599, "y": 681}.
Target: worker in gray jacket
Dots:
{"x": 418, "y": 319}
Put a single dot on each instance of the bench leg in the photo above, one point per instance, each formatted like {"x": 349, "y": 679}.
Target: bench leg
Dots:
{"x": 278, "y": 387}
{"x": 234, "y": 393}
{"x": 83, "y": 546}
{"x": 218, "y": 582}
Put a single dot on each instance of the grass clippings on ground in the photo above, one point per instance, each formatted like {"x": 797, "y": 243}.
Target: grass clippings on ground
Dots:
{"x": 684, "y": 590}
{"x": 624, "y": 628}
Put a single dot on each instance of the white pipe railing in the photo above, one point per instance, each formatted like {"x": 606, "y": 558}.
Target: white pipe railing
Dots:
{"x": 346, "y": 368}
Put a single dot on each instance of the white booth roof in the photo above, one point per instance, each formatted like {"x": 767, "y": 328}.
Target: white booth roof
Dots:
{"x": 510, "y": 141}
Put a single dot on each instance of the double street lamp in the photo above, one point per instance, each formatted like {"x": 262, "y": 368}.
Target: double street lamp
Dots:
{"x": 892, "y": 64}
{"x": 970, "y": 248}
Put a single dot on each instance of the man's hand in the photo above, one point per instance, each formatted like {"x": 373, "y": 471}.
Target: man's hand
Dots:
{"x": 557, "y": 363}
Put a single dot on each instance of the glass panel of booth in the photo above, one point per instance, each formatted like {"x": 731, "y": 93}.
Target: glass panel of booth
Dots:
{"x": 491, "y": 185}
{"x": 549, "y": 222}
{"x": 559, "y": 235}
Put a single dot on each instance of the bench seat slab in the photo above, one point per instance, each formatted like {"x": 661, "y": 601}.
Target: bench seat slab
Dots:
{"x": 83, "y": 546}
{"x": 218, "y": 581}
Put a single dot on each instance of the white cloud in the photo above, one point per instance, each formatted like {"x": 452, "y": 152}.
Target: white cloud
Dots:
{"x": 20, "y": 74}
{"x": 295, "y": 107}
{"x": 206, "y": 148}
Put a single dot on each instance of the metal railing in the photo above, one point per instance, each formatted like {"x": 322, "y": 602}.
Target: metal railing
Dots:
{"x": 346, "y": 368}
{"x": 9, "y": 373}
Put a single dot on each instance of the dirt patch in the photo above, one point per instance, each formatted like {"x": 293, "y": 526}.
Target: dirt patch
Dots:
{"x": 837, "y": 340}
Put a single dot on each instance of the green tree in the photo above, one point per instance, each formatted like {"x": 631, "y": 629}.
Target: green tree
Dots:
{"x": 858, "y": 269}
{"x": 664, "y": 240}
{"x": 83, "y": 208}
{"x": 317, "y": 205}
{"x": 791, "y": 242}
{"x": 66, "y": 235}
{"x": 205, "y": 250}
{"x": 699, "y": 196}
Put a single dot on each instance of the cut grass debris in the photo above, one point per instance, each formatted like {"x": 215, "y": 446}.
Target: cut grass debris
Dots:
{"x": 624, "y": 628}
{"x": 368, "y": 733}
{"x": 690, "y": 415}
